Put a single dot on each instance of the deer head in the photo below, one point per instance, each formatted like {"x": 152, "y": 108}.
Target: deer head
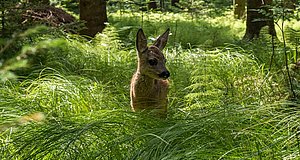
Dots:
{"x": 151, "y": 61}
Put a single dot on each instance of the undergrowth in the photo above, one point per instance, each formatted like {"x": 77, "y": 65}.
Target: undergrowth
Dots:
{"x": 205, "y": 32}
{"x": 72, "y": 102}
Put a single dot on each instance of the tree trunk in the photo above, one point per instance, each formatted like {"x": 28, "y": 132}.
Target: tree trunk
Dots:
{"x": 290, "y": 4}
{"x": 93, "y": 13}
{"x": 42, "y": 2}
{"x": 239, "y": 8}
{"x": 174, "y": 3}
{"x": 162, "y": 5}
{"x": 256, "y": 20}
{"x": 152, "y": 5}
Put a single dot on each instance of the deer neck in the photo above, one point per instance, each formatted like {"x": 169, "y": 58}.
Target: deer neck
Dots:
{"x": 145, "y": 80}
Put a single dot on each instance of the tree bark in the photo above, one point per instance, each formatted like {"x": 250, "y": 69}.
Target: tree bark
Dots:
{"x": 42, "y": 2}
{"x": 174, "y": 3}
{"x": 239, "y": 8}
{"x": 162, "y": 5}
{"x": 152, "y": 5}
{"x": 93, "y": 13}
{"x": 256, "y": 20}
{"x": 290, "y": 4}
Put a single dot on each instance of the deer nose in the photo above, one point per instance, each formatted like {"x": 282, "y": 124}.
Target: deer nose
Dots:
{"x": 164, "y": 74}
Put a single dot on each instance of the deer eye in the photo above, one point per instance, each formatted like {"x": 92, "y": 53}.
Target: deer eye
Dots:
{"x": 153, "y": 62}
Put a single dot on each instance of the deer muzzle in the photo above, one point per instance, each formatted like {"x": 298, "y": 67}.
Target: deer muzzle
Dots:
{"x": 164, "y": 74}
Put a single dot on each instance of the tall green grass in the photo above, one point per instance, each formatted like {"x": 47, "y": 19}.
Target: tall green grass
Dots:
{"x": 224, "y": 103}
{"x": 187, "y": 32}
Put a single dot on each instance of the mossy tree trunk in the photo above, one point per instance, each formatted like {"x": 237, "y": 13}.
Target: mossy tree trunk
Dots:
{"x": 239, "y": 8}
{"x": 257, "y": 20}
{"x": 93, "y": 13}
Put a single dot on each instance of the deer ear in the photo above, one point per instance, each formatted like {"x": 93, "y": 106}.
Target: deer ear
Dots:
{"x": 162, "y": 40}
{"x": 141, "y": 41}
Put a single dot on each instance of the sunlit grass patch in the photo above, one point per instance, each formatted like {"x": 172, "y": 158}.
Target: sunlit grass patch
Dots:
{"x": 201, "y": 31}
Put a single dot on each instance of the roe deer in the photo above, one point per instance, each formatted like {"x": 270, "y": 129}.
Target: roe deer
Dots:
{"x": 149, "y": 84}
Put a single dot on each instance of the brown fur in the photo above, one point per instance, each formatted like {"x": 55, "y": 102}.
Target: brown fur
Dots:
{"x": 148, "y": 90}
